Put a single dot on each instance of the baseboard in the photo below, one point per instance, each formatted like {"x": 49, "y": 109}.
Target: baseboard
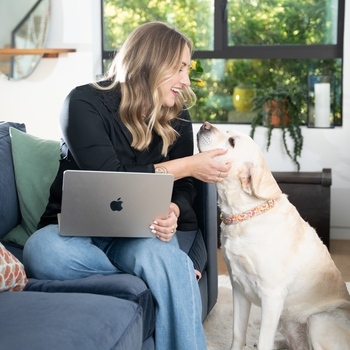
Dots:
{"x": 338, "y": 233}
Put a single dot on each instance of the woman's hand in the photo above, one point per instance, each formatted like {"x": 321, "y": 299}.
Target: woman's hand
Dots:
{"x": 198, "y": 274}
{"x": 206, "y": 168}
{"x": 164, "y": 229}
{"x": 202, "y": 166}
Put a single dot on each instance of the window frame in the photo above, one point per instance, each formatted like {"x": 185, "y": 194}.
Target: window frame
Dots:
{"x": 222, "y": 50}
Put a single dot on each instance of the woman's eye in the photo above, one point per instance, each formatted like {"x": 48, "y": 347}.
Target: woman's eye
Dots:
{"x": 189, "y": 69}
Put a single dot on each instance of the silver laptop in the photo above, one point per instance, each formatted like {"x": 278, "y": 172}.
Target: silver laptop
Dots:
{"x": 117, "y": 204}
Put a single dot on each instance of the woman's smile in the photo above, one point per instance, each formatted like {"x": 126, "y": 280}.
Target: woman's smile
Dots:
{"x": 173, "y": 86}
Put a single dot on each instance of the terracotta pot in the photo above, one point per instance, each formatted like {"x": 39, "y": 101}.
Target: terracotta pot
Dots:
{"x": 275, "y": 111}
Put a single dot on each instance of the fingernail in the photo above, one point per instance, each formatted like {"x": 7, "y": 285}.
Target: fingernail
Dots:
{"x": 155, "y": 222}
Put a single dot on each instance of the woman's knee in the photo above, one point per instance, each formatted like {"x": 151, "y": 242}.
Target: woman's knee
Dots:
{"x": 39, "y": 253}
{"x": 47, "y": 255}
{"x": 41, "y": 243}
{"x": 132, "y": 255}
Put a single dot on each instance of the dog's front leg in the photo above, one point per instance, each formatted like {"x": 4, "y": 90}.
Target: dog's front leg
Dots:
{"x": 271, "y": 309}
{"x": 241, "y": 311}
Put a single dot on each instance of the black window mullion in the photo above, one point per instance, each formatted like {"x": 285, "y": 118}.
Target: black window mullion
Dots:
{"x": 108, "y": 55}
{"x": 341, "y": 20}
{"x": 275, "y": 52}
{"x": 220, "y": 25}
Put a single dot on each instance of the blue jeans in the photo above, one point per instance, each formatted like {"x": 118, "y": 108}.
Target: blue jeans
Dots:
{"x": 166, "y": 269}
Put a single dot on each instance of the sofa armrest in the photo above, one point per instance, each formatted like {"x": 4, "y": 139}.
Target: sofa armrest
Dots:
{"x": 69, "y": 321}
{"x": 205, "y": 206}
{"x": 123, "y": 286}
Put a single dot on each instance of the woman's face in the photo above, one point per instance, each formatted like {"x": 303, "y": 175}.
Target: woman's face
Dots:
{"x": 172, "y": 87}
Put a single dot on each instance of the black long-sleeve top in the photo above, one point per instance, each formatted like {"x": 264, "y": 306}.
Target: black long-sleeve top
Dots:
{"x": 94, "y": 138}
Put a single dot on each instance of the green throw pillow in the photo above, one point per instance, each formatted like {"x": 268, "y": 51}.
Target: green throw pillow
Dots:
{"x": 35, "y": 163}
{"x": 17, "y": 235}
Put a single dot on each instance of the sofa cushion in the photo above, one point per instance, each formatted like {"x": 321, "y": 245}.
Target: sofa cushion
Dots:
{"x": 123, "y": 286}
{"x": 12, "y": 274}
{"x": 69, "y": 321}
{"x": 9, "y": 210}
{"x": 35, "y": 163}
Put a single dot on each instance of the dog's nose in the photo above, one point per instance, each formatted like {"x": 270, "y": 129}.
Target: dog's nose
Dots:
{"x": 206, "y": 126}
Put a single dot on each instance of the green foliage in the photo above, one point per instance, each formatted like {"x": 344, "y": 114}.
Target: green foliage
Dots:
{"x": 196, "y": 71}
{"x": 285, "y": 105}
{"x": 279, "y": 22}
{"x": 122, "y": 16}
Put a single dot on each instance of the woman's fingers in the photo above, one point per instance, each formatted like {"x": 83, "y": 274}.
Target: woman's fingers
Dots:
{"x": 165, "y": 229}
{"x": 209, "y": 169}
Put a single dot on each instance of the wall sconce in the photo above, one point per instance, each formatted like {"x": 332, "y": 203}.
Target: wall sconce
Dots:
{"x": 321, "y": 101}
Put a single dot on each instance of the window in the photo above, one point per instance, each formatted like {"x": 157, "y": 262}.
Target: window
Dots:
{"x": 245, "y": 47}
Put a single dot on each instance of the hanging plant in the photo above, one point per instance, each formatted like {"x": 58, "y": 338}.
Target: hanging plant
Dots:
{"x": 281, "y": 109}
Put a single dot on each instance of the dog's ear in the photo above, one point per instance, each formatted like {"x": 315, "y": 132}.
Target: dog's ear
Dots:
{"x": 245, "y": 178}
{"x": 257, "y": 180}
{"x": 263, "y": 183}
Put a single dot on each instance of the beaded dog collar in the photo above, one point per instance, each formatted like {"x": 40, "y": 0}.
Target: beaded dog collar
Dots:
{"x": 235, "y": 219}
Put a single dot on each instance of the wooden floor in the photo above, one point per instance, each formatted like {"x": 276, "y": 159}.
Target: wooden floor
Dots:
{"x": 340, "y": 252}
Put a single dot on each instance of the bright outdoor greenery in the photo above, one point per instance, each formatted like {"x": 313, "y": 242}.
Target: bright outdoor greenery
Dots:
{"x": 255, "y": 22}
{"x": 232, "y": 82}
{"x": 193, "y": 17}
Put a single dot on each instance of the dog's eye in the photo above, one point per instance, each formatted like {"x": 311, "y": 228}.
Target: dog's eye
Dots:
{"x": 231, "y": 140}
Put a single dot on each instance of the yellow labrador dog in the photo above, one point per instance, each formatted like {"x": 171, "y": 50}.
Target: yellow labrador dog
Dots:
{"x": 275, "y": 259}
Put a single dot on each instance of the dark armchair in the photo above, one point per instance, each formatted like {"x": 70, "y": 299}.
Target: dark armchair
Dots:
{"x": 206, "y": 209}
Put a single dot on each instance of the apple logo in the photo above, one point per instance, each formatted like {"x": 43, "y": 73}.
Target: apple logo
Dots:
{"x": 117, "y": 205}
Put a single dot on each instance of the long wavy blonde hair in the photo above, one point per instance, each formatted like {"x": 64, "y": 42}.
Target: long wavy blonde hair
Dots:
{"x": 150, "y": 56}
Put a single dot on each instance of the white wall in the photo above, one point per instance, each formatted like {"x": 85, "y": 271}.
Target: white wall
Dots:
{"x": 37, "y": 100}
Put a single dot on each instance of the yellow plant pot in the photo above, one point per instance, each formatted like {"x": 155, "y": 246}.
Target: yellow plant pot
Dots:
{"x": 243, "y": 98}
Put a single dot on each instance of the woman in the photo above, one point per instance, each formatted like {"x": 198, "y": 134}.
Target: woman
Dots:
{"x": 135, "y": 120}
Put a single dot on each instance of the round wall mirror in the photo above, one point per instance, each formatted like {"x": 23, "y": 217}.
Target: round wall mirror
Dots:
{"x": 24, "y": 25}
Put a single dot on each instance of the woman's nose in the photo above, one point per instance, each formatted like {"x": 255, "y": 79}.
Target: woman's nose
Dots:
{"x": 185, "y": 80}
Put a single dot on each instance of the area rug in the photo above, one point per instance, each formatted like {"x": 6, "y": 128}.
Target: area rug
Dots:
{"x": 218, "y": 324}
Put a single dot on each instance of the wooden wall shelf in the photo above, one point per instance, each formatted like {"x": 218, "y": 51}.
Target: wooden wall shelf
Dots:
{"x": 47, "y": 53}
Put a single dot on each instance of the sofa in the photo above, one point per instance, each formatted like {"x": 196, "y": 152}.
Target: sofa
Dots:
{"x": 97, "y": 312}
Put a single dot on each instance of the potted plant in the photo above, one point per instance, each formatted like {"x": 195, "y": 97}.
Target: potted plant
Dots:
{"x": 281, "y": 108}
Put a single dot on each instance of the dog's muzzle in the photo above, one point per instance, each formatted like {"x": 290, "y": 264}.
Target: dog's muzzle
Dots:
{"x": 203, "y": 136}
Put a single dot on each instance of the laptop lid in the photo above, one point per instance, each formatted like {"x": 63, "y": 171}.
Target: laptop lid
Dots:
{"x": 113, "y": 204}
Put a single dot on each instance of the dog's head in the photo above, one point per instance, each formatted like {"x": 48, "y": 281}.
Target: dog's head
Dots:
{"x": 247, "y": 160}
